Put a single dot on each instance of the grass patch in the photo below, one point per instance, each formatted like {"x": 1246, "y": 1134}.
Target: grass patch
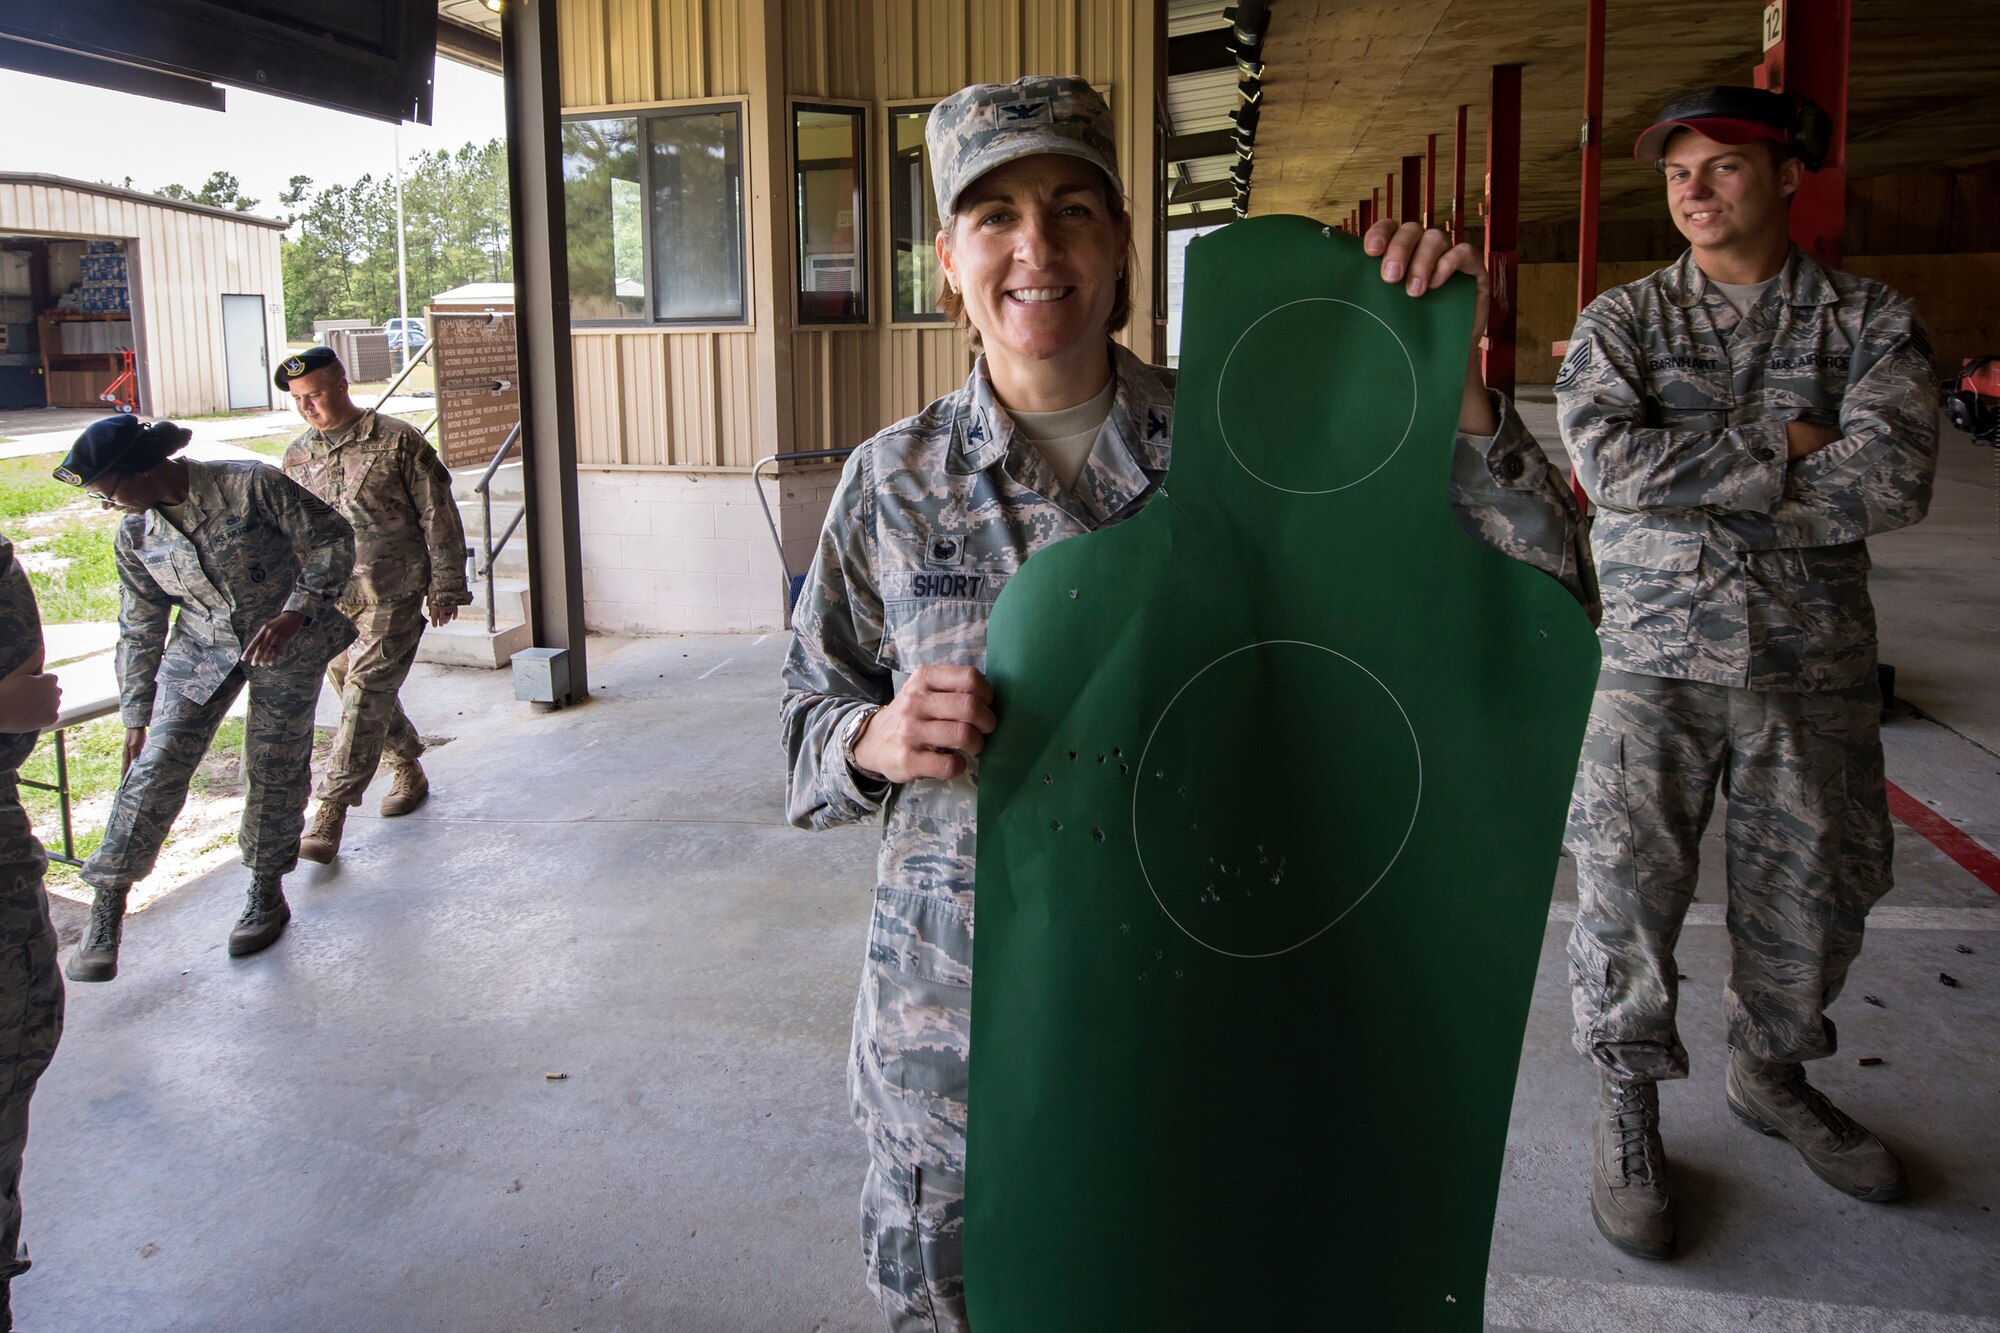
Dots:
{"x": 27, "y": 488}
{"x": 85, "y": 586}
{"x": 62, "y": 539}
{"x": 271, "y": 446}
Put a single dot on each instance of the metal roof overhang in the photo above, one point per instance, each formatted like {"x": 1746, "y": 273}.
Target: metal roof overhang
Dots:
{"x": 369, "y": 57}
{"x": 1352, "y": 86}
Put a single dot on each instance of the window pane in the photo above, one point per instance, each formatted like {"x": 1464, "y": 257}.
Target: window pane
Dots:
{"x": 602, "y": 203}
{"x": 913, "y": 219}
{"x": 826, "y": 147}
{"x": 696, "y": 163}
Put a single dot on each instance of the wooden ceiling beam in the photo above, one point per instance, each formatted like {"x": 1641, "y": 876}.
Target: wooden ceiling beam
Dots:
{"x": 1212, "y": 143}
{"x": 1207, "y": 190}
{"x": 1200, "y": 52}
{"x": 1209, "y": 217}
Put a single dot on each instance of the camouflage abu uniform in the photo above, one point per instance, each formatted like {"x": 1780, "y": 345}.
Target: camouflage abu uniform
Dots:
{"x": 931, "y": 518}
{"x": 31, "y": 991}
{"x": 256, "y": 543}
{"x": 409, "y": 549}
{"x": 1739, "y": 640}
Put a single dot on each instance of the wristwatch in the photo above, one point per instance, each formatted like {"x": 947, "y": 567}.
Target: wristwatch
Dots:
{"x": 850, "y": 731}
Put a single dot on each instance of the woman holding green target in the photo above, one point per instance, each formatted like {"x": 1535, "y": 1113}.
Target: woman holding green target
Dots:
{"x": 1058, "y": 431}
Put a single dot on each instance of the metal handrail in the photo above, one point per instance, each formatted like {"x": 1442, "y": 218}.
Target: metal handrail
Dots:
{"x": 397, "y": 383}
{"x": 757, "y": 480}
{"x": 484, "y": 488}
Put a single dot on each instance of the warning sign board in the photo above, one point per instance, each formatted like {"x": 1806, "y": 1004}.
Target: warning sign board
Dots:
{"x": 478, "y": 389}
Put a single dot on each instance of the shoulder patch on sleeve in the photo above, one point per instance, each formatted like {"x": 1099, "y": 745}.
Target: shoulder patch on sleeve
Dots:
{"x": 1574, "y": 364}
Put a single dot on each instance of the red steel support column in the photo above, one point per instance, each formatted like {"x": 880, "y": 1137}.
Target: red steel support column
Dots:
{"x": 1806, "y": 52}
{"x": 1367, "y": 210}
{"x": 1458, "y": 181}
{"x": 1430, "y": 181}
{"x": 1413, "y": 168}
{"x": 1389, "y": 197}
{"x": 1503, "y": 211}
{"x": 1593, "y": 154}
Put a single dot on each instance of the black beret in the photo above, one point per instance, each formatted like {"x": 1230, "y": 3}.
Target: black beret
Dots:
{"x": 100, "y": 449}
{"x": 305, "y": 363}
{"x": 119, "y": 444}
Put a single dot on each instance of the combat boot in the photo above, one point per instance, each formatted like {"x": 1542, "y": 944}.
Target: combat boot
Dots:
{"x": 322, "y": 840}
{"x": 408, "y": 789}
{"x": 95, "y": 957}
{"x": 263, "y": 920}
{"x": 1628, "y": 1179}
{"x": 1773, "y": 1097}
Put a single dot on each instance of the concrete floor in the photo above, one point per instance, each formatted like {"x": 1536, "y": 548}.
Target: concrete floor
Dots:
{"x": 355, "y": 1131}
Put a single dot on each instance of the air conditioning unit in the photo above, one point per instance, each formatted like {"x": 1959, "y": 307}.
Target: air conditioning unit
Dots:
{"x": 829, "y": 273}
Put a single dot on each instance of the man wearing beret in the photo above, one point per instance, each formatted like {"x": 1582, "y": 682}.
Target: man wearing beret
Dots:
{"x": 1743, "y": 419}
{"x": 247, "y": 567}
{"x": 386, "y": 480}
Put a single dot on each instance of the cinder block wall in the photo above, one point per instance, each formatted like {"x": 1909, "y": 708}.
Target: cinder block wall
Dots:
{"x": 691, "y": 552}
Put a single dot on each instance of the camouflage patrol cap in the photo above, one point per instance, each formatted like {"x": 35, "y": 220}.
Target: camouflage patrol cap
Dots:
{"x": 990, "y": 124}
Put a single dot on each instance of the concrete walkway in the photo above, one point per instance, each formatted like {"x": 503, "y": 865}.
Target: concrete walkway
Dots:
{"x": 355, "y": 1131}
{"x": 53, "y": 429}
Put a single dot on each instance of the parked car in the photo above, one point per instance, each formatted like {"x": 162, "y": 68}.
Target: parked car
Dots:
{"x": 401, "y": 330}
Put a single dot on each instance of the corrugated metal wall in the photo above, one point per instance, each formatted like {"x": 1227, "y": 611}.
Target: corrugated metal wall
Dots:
{"x": 687, "y": 399}
{"x": 184, "y": 263}
{"x": 621, "y": 52}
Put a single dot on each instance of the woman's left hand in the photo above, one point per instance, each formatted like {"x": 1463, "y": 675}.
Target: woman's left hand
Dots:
{"x": 268, "y": 643}
{"x": 1422, "y": 260}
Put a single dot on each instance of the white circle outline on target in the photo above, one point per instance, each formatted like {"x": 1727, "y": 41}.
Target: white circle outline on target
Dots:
{"x": 1223, "y": 378}
{"x": 1139, "y": 851}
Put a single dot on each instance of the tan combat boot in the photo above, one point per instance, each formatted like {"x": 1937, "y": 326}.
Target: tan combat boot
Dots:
{"x": 1628, "y": 1178}
{"x": 265, "y": 913}
{"x": 95, "y": 957}
{"x": 408, "y": 789}
{"x": 1773, "y": 1097}
{"x": 322, "y": 840}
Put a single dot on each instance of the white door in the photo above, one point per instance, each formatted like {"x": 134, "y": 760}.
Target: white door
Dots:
{"x": 243, "y": 347}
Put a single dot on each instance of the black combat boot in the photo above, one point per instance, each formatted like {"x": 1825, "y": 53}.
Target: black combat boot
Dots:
{"x": 95, "y": 957}
{"x": 21, "y": 1265}
{"x": 263, "y": 920}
